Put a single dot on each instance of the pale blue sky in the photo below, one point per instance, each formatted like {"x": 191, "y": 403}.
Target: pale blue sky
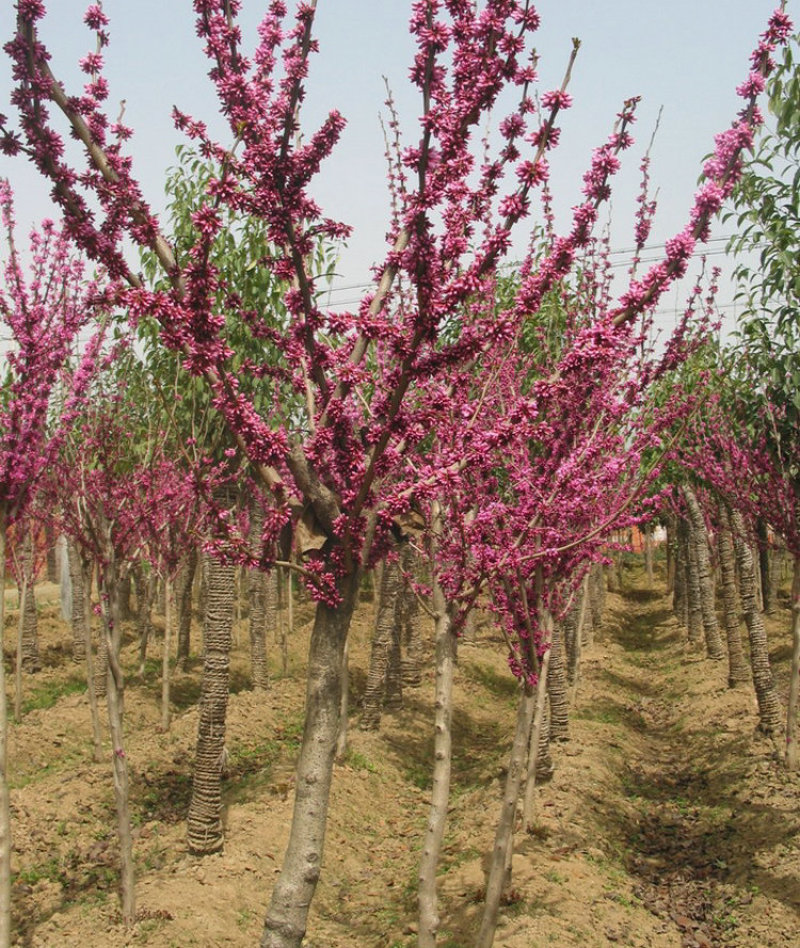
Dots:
{"x": 686, "y": 55}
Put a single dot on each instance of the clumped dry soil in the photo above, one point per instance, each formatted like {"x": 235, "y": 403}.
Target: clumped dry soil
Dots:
{"x": 668, "y": 822}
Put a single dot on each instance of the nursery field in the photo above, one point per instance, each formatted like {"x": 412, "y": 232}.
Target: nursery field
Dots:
{"x": 668, "y": 821}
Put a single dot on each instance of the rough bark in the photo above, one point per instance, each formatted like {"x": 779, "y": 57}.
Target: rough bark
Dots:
{"x": 409, "y": 621}
{"x": 571, "y": 635}
{"x": 51, "y": 557}
{"x": 737, "y": 664}
{"x": 77, "y": 605}
{"x": 124, "y": 610}
{"x": 429, "y": 920}
{"x": 29, "y": 640}
{"x": 597, "y": 598}
{"x": 768, "y": 586}
{"x": 384, "y": 632}
{"x": 770, "y": 713}
{"x": 699, "y": 539}
{"x": 287, "y": 916}
{"x": 101, "y": 665}
{"x": 204, "y": 823}
{"x": 695, "y": 605}
{"x": 263, "y": 592}
{"x": 557, "y": 687}
{"x": 792, "y": 755}
{"x": 544, "y": 761}
{"x": 680, "y": 591}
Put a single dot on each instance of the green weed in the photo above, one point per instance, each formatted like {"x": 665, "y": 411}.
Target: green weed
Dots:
{"x": 47, "y": 694}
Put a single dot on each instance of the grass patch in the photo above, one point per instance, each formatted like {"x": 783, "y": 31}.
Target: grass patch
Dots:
{"x": 499, "y": 684}
{"x": 359, "y": 761}
{"x": 47, "y": 694}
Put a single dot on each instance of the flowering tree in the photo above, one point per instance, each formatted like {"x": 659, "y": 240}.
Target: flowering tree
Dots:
{"x": 44, "y": 311}
{"x": 337, "y": 464}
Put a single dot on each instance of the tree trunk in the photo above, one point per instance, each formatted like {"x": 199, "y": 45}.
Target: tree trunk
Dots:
{"x": 384, "y": 632}
{"x": 699, "y": 539}
{"x": 539, "y": 721}
{"x": 115, "y": 697}
{"x": 695, "y": 608}
{"x": 794, "y": 683}
{"x": 571, "y": 634}
{"x": 184, "y": 585}
{"x": 77, "y": 605}
{"x": 597, "y": 597}
{"x": 671, "y": 548}
{"x": 768, "y": 590}
{"x": 165, "y": 656}
{"x": 23, "y": 600}
{"x": 769, "y": 705}
{"x": 680, "y": 591}
{"x": 737, "y": 665}
{"x": 263, "y": 591}
{"x": 504, "y": 836}
{"x": 287, "y": 916}
{"x": 124, "y": 610}
{"x": 5, "y": 812}
{"x": 442, "y": 760}
{"x": 344, "y": 707}
{"x": 29, "y": 639}
{"x": 101, "y": 665}
{"x": 92, "y": 675}
{"x": 410, "y": 625}
{"x": 204, "y": 824}
{"x": 51, "y": 561}
{"x": 287, "y": 628}
{"x": 557, "y": 687}
{"x": 146, "y": 587}
{"x": 647, "y": 536}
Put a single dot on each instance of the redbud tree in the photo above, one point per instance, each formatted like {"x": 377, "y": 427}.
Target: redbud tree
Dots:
{"x": 45, "y": 302}
{"x": 338, "y": 462}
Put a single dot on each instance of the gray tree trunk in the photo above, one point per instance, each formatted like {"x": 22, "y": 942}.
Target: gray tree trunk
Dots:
{"x": 183, "y": 595}
{"x": 699, "y": 539}
{"x": 597, "y": 598}
{"x": 409, "y": 621}
{"x": 385, "y": 632}
{"x": 29, "y": 651}
{"x": 792, "y": 755}
{"x": 115, "y": 698}
{"x": 768, "y": 586}
{"x": 680, "y": 592}
{"x": 504, "y": 836}
{"x": 695, "y": 608}
{"x": 5, "y": 808}
{"x": 204, "y": 823}
{"x": 287, "y": 916}
{"x": 557, "y": 687}
{"x": 738, "y": 672}
{"x": 770, "y": 713}
{"x": 429, "y": 920}
{"x": 77, "y": 605}
{"x": 263, "y": 594}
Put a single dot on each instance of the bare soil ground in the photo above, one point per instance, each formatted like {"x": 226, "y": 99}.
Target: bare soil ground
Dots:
{"x": 669, "y": 821}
